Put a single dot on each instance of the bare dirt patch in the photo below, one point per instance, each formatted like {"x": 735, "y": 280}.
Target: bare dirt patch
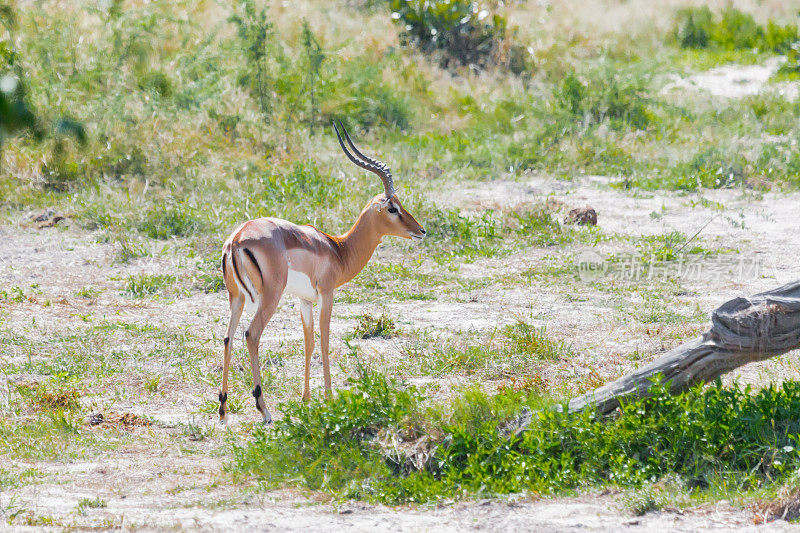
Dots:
{"x": 736, "y": 81}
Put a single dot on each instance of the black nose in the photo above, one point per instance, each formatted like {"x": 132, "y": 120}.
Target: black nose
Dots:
{"x": 423, "y": 231}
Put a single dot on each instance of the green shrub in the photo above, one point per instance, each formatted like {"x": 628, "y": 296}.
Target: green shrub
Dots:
{"x": 604, "y": 95}
{"x": 714, "y": 437}
{"x": 693, "y": 27}
{"x": 737, "y": 30}
{"x": 696, "y": 27}
{"x": 464, "y": 33}
{"x": 537, "y": 224}
{"x": 790, "y": 69}
{"x": 313, "y": 57}
{"x": 156, "y": 81}
{"x": 260, "y": 46}
{"x": 357, "y": 96}
{"x": 775, "y": 113}
{"x": 711, "y": 168}
{"x": 780, "y": 39}
{"x": 465, "y": 234}
{"x": 325, "y": 444}
{"x": 524, "y": 339}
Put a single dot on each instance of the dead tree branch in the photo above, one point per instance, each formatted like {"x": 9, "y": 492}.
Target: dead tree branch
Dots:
{"x": 743, "y": 330}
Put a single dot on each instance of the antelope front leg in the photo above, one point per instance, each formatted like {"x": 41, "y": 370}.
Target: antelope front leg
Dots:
{"x": 326, "y": 306}
{"x": 307, "y": 316}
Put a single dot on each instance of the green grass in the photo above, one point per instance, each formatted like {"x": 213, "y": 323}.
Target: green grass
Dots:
{"x": 53, "y": 435}
{"x": 91, "y": 503}
{"x": 88, "y": 292}
{"x": 144, "y": 285}
{"x": 517, "y": 349}
{"x": 15, "y": 477}
{"x": 709, "y": 440}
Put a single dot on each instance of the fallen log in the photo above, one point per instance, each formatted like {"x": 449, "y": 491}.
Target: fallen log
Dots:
{"x": 743, "y": 330}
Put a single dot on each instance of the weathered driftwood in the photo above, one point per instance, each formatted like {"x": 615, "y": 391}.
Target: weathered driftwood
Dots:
{"x": 743, "y": 330}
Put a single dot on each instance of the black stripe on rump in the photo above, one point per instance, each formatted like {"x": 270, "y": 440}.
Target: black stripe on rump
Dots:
{"x": 238, "y": 276}
{"x": 253, "y": 259}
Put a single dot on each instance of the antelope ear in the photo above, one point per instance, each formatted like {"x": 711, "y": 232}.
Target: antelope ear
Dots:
{"x": 383, "y": 204}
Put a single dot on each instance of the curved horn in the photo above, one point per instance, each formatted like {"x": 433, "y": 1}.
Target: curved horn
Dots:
{"x": 367, "y": 163}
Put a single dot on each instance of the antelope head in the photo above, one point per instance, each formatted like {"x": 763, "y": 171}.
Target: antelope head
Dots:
{"x": 387, "y": 213}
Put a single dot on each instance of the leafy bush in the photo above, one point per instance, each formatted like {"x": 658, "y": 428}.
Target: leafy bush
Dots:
{"x": 781, "y": 39}
{"x": 257, "y": 37}
{"x": 604, "y": 95}
{"x": 326, "y": 444}
{"x": 790, "y": 69}
{"x": 466, "y": 234}
{"x": 696, "y": 27}
{"x": 776, "y": 114}
{"x": 313, "y": 56}
{"x": 460, "y": 29}
{"x": 156, "y": 81}
{"x": 537, "y": 224}
{"x": 357, "y": 96}
{"x": 693, "y": 27}
{"x": 710, "y": 168}
{"x": 711, "y": 438}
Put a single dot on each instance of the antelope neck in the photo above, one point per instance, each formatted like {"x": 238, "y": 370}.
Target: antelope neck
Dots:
{"x": 357, "y": 246}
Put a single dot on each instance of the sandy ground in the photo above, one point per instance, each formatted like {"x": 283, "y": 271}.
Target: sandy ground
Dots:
{"x": 736, "y": 81}
{"x": 155, "y": 483}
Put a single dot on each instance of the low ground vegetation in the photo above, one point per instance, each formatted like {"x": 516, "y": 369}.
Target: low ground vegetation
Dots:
{"x": 718, "y": 441}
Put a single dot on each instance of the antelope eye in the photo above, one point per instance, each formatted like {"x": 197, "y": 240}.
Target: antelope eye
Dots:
{"x": 393, "y": 209}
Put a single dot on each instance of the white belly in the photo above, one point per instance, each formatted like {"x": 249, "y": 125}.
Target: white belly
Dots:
{"x": 298, "y": 284}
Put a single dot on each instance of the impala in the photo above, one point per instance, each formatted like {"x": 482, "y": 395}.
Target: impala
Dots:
{"x": 268, "y": 257}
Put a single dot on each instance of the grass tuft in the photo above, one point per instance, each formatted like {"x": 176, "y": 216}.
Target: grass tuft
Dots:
{"x": 50, "y": 395}
{"x": 144, "y": 285}
{"x": 370, "y": 326}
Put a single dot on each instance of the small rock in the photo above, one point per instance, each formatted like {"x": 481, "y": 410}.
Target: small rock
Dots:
{"x": 582, "y": 216}
{"x": 96, "y": 419}
{"x": 51, "y": 222}
{"x": 44, "y": 215}
{"x": 45, "y": 219}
